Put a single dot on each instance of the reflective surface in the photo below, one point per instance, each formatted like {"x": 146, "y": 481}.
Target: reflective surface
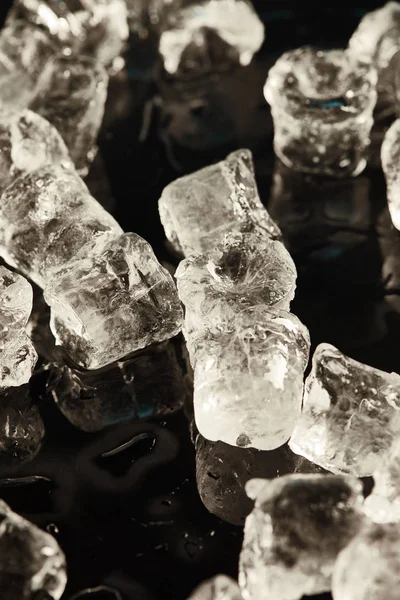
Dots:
{"x": 115, "y": 482}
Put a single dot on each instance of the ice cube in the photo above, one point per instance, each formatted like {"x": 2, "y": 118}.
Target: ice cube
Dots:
{"x": 17, "y": 354}
{"x": 16, "y": 299}
{"x": 322, "y": 104}
{"x": 248, "y": 377}
{"x": 298, "y": 526}
{"x": 93, "y": 28}
{"x": 27, "y": 143}
{"x": 235, "y": 22}
{"x": 383, "y": 504}
{"x": 198, "y": 209}
{"x": 110, "y": 304}
{"x": 60, "y": 223}
{"x": 32, "y": 562}
{"x": 24, "y": 52}
{"x": 351, "y": 414}
{"x": 377, "y": 37}
{"x": 390, "y": 156}
{"x": 71, "y": 96}
{"x": 244, "y": 270}
{"x": 369, "y": 567}
{"x": 220, "y": 587}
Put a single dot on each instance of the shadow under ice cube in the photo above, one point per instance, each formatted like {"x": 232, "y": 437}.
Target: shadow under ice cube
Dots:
{"x": 108, "y": 305}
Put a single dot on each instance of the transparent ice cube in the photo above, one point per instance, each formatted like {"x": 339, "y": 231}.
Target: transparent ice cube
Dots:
{"x": 322, "y": 104}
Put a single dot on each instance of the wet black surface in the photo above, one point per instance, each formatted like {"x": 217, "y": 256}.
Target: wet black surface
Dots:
{"x": 121, "y": 496}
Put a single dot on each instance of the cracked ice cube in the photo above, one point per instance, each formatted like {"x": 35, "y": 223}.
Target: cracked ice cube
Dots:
{"x": 60, "y": 223}
{"x": 31, "y": 560}
{"x": 390, "y": 156}
{"x": 298, "y": 526}
{"x": 322, "y": 104}
{"x": 93, "y": 28}
{"x": 27, "y": 143}
{"x": 383, "y": 504}
{"x": 351, "y": 414}
{"x": 377, "y": 37}
{"x": 71, "y": 96}
{"x": 369, "y": 567}
{"x": 17, "y": 354}
{"x": 108, "y": 305}
{"x": 248, "y": 377}
{"x": 198, "y": 209}
{"x": 244, "y": 270}
{"x": 220, "y": 587}
{"x": 234, "y": 22}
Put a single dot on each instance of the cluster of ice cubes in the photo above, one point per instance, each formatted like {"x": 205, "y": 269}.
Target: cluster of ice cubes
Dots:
{"x": 247, "y": 350}
{"x": 202, "y": 33}
{"x": 108, "y": 294}
{"x": 53, "y": 59}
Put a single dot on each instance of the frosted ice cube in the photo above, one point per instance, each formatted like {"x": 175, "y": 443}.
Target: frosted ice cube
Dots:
{"x": 369, "y": 567}
{"x": 297, "y": 528}
{"x": 60, "y": 223}
{"x": 108, "y": 305}
{"x": 71, "y": 96}
{"x": 322, "y": 104}
{"x": 198, "y": 209}
{"x": 248, "y": 377}
{"x": 31, "y": 560}
{"x": 351, "y": 414}
{"x": 244, "y": 270}
{"x": 27, "y": 143}
{"x": 219, "y": 587}
{"x": 377, "y": 37}
{"x": 390, "y": 156}
{"x": 234, "y": 21}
